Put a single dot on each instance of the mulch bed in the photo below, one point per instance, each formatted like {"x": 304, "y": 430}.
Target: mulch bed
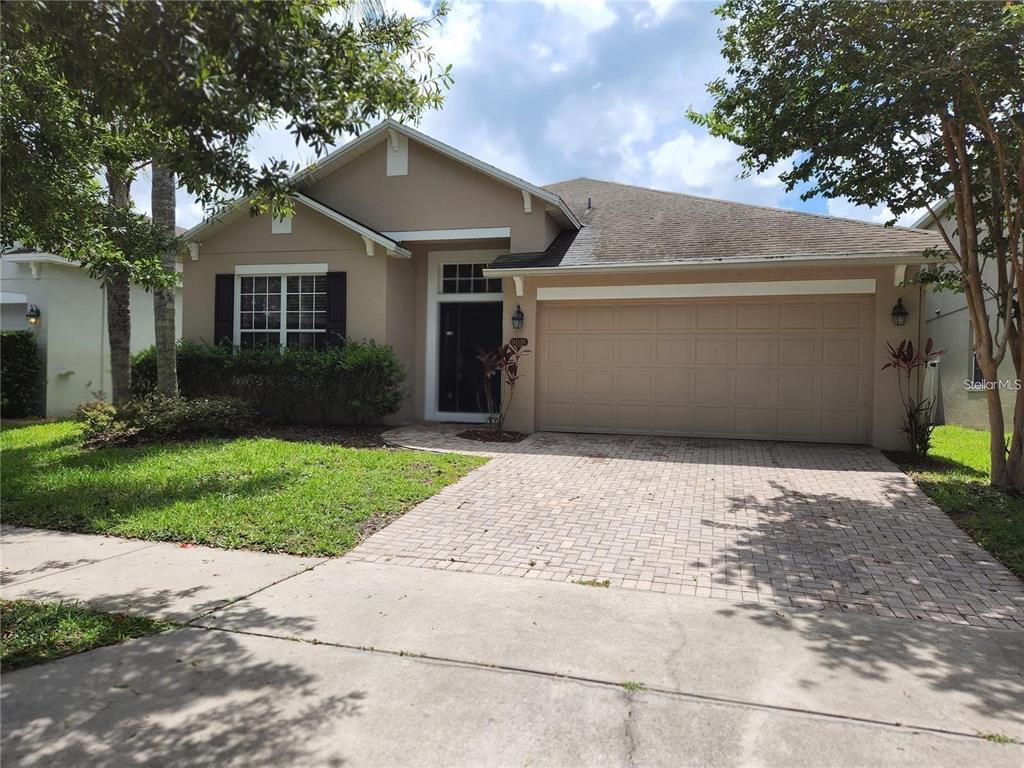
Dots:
{"x": 349, "y": 437}
{"x": 490, "y": 436}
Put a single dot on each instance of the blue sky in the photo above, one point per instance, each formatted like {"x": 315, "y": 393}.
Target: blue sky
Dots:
{"x": 554, "y": 89}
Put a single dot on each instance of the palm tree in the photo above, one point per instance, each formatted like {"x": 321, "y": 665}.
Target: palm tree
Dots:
{"x": 163, "y": 298}
{"x": 118, "y": 288}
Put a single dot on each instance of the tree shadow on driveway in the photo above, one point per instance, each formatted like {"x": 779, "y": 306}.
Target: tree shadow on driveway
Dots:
{"x": 894, "y": 556}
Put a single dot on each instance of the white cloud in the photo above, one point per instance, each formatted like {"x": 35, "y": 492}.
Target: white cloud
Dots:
{"x": 590, "y": 15}
{"x": 840, "y": 206}
{"x": 693, "y": 162}
{"x": 456, "y": 41}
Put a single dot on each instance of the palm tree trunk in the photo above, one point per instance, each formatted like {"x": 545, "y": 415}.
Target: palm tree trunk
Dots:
{"x": 119, "y": 321}
{"x": 163, "y": 298}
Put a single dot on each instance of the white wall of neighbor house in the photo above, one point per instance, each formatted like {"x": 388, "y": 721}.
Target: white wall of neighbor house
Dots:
{"x": 72, "y": 331}
{"x": 948, "y": 323}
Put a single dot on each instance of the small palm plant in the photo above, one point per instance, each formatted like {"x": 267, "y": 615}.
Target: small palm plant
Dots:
{"x": 501, "y": 362}
{"x": 917, "y": 422}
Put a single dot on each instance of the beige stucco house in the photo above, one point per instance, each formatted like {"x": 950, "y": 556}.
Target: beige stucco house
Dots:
{"x": 645, "y": 311}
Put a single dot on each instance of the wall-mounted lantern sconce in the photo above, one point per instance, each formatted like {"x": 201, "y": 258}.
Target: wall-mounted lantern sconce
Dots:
{"x": 32, "y": 314}
{"x": 518, "y": 318}
{"x": 899, "y": 313}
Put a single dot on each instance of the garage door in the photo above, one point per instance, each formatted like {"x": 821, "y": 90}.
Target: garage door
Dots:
{"x": 793, "y": 368}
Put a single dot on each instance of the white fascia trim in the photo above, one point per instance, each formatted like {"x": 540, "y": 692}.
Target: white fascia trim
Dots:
{"x": 709, "y": 290}
{"x": 281, "y": 269}
{"x": 39, "y": 258}
{"x": 475, "y": 233}
{"x": 389, "y": 244}
{"x": 851, "y": 260}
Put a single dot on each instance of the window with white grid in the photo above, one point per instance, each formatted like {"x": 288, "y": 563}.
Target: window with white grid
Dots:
{"x": 287, "y": 310}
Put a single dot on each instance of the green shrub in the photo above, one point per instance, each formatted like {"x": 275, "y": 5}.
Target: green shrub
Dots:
{"x": 21, "y": 375}
{"x": 357, "y": 382}
{"x": 158, "y": 418}
{"x": 99, "y": 418}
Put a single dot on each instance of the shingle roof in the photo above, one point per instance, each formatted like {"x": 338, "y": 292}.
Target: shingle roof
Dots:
{"x": 634, "y": 225}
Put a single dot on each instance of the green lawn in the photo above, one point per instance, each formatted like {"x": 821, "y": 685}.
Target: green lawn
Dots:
{"x": 306, "y": 498}
{"x": 36, "y": 632}
{"x": 956, "y": 477}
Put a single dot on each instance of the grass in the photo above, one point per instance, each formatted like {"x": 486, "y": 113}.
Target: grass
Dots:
{"x": 955, "y": 476}
{"x": 304, "y": 498}
{"x": 633, "y": 686}
{"x": 603, "y": 583}
{"x": 34, "y": 633}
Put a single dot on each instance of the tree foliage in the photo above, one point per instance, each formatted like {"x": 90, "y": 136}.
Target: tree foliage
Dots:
{"x": 903, "y": 105}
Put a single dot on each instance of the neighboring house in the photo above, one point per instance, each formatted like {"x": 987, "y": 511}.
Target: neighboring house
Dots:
{"x": 962, "y": 399}
{"x": 72, "y": 328}
{"x": 646, "y": 312}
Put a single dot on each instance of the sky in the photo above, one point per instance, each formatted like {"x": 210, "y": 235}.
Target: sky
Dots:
{"x": 556, "y": 89}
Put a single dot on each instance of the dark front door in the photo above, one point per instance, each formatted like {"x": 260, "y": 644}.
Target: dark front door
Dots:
{"x": 467, "y": 328}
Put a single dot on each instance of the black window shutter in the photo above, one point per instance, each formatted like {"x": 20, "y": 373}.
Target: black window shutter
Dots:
{"x": 224, "y": 310}
{"x": 336, "y": 310}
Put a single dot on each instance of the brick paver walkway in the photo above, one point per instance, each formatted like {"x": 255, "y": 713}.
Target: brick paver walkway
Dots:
{"x": 833, "y": 527}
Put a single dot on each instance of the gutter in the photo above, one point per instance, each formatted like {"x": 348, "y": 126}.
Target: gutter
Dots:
{"x": 851, "y": 259}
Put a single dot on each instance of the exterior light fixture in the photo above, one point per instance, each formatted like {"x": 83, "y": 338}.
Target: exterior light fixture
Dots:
{"x": 32, "y": 314}
{"x": 899, "y": 313}
{"x": 518, "y": 318}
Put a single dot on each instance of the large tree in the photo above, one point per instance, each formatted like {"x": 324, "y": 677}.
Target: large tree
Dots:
{"x": 903, "y": 105}
{"x": 185, "y": 85}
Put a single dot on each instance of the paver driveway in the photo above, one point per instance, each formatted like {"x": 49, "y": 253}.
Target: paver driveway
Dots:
{"x": 834, "y": 527}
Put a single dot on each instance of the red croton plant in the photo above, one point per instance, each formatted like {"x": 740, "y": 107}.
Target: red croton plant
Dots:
{"x": 917, "y": 421}
{"x": 503, "y": 362}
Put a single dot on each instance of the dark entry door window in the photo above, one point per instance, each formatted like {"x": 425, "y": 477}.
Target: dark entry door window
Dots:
{"x": 466, "y": 329}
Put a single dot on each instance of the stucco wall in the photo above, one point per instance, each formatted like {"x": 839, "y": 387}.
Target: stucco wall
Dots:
{"x": 314, "y": 239}
{"x": 437, "y": 193}
{"x": 886, "y": 408}
{"x": 72, "y": 333}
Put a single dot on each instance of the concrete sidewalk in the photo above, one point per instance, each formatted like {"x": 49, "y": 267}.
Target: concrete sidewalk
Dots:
{"x": 153, "y": 578}
{"x": 355, "y": 663}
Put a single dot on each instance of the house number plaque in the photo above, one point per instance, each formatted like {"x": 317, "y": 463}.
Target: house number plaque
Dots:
{"x": 518, "y": 343}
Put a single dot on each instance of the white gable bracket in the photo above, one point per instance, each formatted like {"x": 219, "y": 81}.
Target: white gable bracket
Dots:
{"x": 193, "y": 251}
{"x": 900, "y": 276}
{"x": 517, "y": 280}
{"x": 369, "y": 245}
{"x": 527, "y": 201}
{"x": 393, "y": 139}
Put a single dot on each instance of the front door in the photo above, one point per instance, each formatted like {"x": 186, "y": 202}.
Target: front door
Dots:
{"x": 467, "y": 328}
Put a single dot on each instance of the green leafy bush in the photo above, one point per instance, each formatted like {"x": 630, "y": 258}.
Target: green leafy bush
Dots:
{"x": 357, "y": 382}
{"x": 158, "y": 418}
{"x": 21, "y": 375}
{"x": 98, "y": 417}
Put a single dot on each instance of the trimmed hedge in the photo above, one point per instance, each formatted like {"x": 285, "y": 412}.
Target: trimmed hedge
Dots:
{"x": 358, "y": 382}
{"x": 21, "y": 375}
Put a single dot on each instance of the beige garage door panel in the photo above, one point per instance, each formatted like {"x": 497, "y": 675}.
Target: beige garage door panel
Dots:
{"x": 792, "y": 368}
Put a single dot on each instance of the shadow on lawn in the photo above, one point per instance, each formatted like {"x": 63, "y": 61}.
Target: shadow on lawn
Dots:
{"x": 86, "y": 492}
{"x": 186, "y": 697}
{"x": 847, "y": 555}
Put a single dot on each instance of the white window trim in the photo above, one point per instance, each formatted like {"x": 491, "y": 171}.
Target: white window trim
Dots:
{"x": 432, "y": 367}
{"x": 709, "y": 290}
{"x": 281, "y": 269}
{"x": 283, "y": 331}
